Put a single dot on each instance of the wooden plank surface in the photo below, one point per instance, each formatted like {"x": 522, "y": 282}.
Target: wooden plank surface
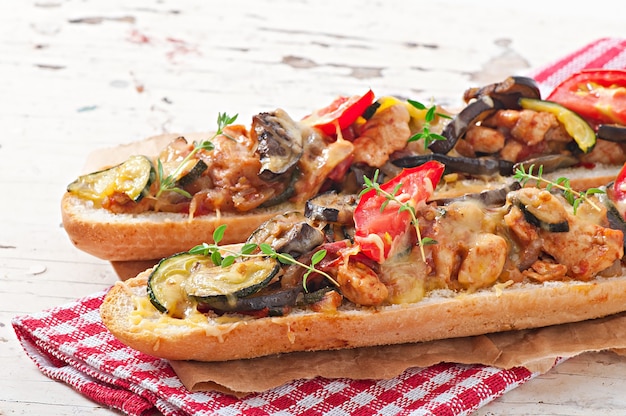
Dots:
{"x": 77, "y": 76}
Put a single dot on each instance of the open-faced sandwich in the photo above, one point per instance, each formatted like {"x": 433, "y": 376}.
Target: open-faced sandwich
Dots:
{"x": 402, "y": 261}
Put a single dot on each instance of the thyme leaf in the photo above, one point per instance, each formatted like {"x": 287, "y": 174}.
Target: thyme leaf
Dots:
{"x": 224, "y": 256}
{"x": 168, "y": 183}
{"x": 573, "y": 197}
{"x": 373, "y": 185}
{"x": 427, "y": 135}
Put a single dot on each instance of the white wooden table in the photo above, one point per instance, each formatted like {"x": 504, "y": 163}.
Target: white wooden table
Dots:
{"x": 77, "y": 76}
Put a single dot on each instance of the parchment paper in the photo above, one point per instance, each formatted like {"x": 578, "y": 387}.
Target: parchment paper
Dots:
{"x": 535, "y": 349}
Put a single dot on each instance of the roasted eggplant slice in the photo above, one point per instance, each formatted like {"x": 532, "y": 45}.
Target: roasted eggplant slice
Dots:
{"x": 310, "y": 298}
{"x": 460, "y": 164}
{"x": 280, "y": 142}
{"x": 548, "y": 163}
{"x": 488, "y": 197}
{"x": 508, "y": 92}
{"x": 362, "y": 170}
{"x": 469, "y": 116}
{"x": 483, "y": 102}
{"x": 290, "y": 233}
{"x": 270, "y": 297}
{"x": 612, "y": 133}
{"x": 332, "y": 207}
{"x": 288, "y": 191}
{"x": 337, "y": 232}
{"x": 300, "y": 239}
{"x": 132, "y": 177}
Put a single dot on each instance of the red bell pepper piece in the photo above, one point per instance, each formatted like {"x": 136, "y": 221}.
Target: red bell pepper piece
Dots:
{"x": 342, "y": 112}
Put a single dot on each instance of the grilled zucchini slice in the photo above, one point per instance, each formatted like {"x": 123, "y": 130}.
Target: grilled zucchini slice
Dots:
{"x": 132, "y": 177}
{"x": 238, "y": 280}
{"x": 192, "y": 173}
{"x": 165, "y": 283}
{"x": 183, "y": 279}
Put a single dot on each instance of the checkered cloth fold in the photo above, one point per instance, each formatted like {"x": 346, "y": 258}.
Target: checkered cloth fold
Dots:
{"x": 70, "y": 344}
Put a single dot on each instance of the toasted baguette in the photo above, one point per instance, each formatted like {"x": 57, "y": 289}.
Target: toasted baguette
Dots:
{"x": 442, "y": 314}
{"x": 134, "y": 242}
{"x": 152, "y": 235}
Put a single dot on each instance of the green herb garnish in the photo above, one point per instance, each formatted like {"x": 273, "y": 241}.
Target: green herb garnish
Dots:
{"x": 372, "y": 184}
{"x": 168, "y": 183}
{"x": 224, "y": 256}
{"x": 572, "y": 196}
{"x": 426, "y": 134}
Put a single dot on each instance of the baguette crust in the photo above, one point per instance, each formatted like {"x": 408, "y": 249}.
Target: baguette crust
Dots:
{"x": 582, "y": 178}
{"x": 438, "y": 316}
{"x": 151, "y": 235}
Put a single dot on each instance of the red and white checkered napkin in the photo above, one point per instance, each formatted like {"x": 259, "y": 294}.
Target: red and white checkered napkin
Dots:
{"x": 70, "y": 344}
{"x": 607, "y": 53}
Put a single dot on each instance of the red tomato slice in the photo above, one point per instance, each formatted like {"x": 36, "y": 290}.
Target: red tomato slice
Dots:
{"x": 381, "y": 232}
{"x": 343, "y": 112}
{"x": 617, "y": 193}
{"x": 619, "y": 186}
{"x": 597, "y": 95}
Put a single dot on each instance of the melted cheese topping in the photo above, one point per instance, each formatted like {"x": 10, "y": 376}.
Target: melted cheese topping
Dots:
{"x": 145, "y": 317}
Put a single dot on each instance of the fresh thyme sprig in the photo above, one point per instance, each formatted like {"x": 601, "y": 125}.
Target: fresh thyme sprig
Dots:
{"x": 224, "y": 256}
{"x": 426, "y": 134}
{"x": 572, "y": 196}
{"x": 168, "y": 183}
{"x": 372, "y": 184}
